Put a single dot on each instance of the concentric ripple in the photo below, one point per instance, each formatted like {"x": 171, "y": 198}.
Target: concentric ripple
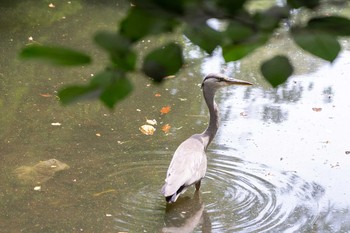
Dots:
{"x": 236, "y": 196}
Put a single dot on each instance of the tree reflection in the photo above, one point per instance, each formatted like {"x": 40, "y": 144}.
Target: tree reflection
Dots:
{"x": 274, "y": 114}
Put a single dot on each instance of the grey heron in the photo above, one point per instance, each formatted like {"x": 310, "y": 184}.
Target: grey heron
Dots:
{"x": 189, "y": 163}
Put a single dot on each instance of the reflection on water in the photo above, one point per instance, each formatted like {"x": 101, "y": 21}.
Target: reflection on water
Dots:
{"x": 186, "y": 215}
{"x": 297, "y": 179}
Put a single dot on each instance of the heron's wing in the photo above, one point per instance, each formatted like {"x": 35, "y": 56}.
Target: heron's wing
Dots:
{"x": 187, "y": 166}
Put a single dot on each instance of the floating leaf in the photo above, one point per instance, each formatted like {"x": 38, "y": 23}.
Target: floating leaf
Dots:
{"x": 166, "y": 128}
{"x": 55, "y": 55}
{"x": 147, "y": 129}
{"x": 277, "y": 70}
{"x": 151, "y": 122}
{"x": 320, "y": 44}
{"x": 317, "y": 109}
{"x": 46, "y": 95}
{"x": 163, "y": 62}
{"x": 165, "y": 110}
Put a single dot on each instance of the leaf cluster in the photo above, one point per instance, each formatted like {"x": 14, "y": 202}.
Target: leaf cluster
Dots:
{"x": 243, "y": 33}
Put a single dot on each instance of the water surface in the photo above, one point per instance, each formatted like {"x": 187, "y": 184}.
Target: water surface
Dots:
{"x": 279, "y": 162}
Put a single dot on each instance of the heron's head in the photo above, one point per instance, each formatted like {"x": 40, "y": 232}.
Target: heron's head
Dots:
{"x": 216, "y": 81}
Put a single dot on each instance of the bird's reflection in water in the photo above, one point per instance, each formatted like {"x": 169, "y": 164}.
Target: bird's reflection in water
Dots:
{"x": 185, "y": 215}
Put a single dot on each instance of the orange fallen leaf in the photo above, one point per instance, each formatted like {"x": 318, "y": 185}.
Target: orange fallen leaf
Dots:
{"x": 157, "y": 95}
{"x": 165, "y": 110}
{"x": 317, "y": 109}
{"x": 166, "y": 128}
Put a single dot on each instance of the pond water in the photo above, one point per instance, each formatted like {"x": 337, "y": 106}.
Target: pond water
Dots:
{"x": 279, "y": 163}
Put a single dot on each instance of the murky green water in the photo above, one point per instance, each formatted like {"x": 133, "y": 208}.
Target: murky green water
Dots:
{"x": 278, "y": 163}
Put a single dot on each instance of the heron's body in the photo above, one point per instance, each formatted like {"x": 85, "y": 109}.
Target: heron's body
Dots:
{"x": 189, "y": 163}
{"x": 187, "y": 167}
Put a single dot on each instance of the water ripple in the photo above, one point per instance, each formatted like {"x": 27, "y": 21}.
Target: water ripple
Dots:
{"x": 236, "y": 196}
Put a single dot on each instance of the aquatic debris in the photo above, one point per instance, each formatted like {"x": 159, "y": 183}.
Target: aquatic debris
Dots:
{"x": 104, "y": 192}
{"x": 165, "y": 110}
{"x": 56, "y": 124}
{"x": 40, "y": 172}
{"x": 147, "y": 129}
{"x": 166, "y": 128}
{"x": 151, "y": 122}
{"x": 46, "y": 95}
{"x": 37, "y": 188}
{"x": 317, "y": 109}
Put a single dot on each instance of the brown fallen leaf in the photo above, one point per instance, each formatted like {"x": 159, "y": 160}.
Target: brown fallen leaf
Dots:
{"x": 46, "y": 95}
{"x": 317, "y": 109}
{"x": 165, "y": 110}
{"x": 147, "y": 129}
{"x": 166, "y": 128}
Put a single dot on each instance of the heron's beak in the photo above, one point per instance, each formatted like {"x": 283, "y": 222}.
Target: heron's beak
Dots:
{"x": 232, "y": 81}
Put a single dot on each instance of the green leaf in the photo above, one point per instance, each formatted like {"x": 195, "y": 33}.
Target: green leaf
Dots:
{"x": 110, "y": 86}
{"x": 203, "y": 36}
{"x": 311, "y": 4}
{"x": 238, "y": 32}
{"x": 116, "y": 92}
{"x": 140, "y": 23}
{"x": 119, "y": 48}
{"x": 163, "y": 62}
{"x": 55, "y": 55}
{"x": 171, "y": 6}
{"x": 318, "y": 43}
{"x": 335, "y": 25}
{"x": 231, "y": 6}
{"x": 72, "y": 94}
{"x": 277, "y": 70}
{"x": 270, "y": 19}
{"x": 236, "y": 51}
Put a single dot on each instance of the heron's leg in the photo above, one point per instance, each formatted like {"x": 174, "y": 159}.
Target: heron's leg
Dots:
{"x": 198, "y": 185}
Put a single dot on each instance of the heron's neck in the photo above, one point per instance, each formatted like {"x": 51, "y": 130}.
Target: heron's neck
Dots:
{"x": 213, "y": 126}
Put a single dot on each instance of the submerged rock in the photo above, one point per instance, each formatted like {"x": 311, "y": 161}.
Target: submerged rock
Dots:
{"x": 40, "y": 172}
